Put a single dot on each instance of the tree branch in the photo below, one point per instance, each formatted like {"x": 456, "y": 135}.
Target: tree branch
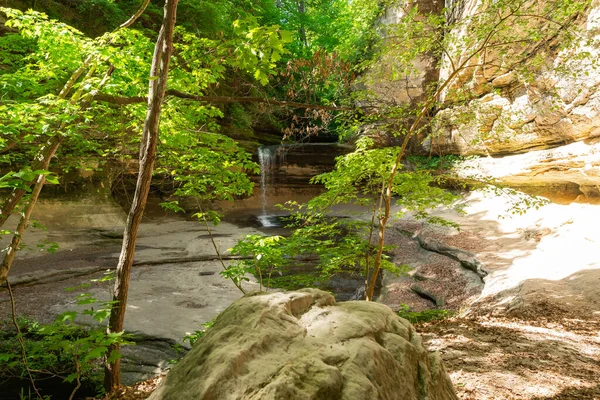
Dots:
{"x": 121, "y": 100}
{"x": 20, "y": 339}
{"x": 135, "y": 16}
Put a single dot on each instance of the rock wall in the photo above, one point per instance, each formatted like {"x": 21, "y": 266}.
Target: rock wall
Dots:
{"x": 508, "y": 112}
{"x": 384, "y": 82}
{"x": 513, "y": 113}
{"x": 498, "y": 107}
{"x": 302, "y": 345}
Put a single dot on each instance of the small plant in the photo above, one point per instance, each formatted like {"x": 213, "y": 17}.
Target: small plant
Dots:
{"x": 439, "y": 164}
{"x": 193, "y": 337}
{"x": 264, "y": 255}
{"x": 63, "y": 348}
{"x": 30, "y": 396}
{"x": 334, "y": 245}
{"x": 295, "y": 281}
{"x": 416, "y": 317}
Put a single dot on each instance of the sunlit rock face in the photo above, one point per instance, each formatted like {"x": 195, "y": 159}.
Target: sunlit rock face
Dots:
{"x": 541, "y": 133}
{"x": 563, "y": 174}
{"x": 496, "y": 109}
{"x": 302, "y": 345}
{"x": 511, "y": 113}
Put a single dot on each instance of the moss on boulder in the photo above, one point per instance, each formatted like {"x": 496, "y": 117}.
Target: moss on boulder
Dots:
{"x": 302, "y": 345}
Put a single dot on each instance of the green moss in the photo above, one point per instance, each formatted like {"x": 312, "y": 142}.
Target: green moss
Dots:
{"x": 294, "y": 282}
{"x": 423, "y": 316}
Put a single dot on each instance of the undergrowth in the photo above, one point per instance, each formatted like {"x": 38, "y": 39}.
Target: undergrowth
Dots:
{"x": 415, "y": 317}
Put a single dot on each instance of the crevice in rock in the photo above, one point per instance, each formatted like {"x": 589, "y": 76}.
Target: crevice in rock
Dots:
{"x": 465, "y": 258}
{"x": 179, "y": 260}
{"x": 51, "y": 276}
{"x": 438, "y": 301}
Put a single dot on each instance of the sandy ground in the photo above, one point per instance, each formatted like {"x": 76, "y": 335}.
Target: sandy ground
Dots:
{"x": 534, "y": 331}
{"x": 515, "y": 358}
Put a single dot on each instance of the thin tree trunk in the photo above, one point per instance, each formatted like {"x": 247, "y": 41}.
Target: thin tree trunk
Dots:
{"x": 43, "y": 163}
{"x": 156, "y": 93}
{"x": 387, "y": 195}
{"x": 302, "y": 31}
{"x": 9, "y": 257}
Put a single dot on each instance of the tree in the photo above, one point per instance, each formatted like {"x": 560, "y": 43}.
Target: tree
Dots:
{"x": 38, "y": 173}
{"x": 158, "y": 85}
{"x": 502, "y": 36}
{"x": 61, "y": 88}
{"x": 115, "y": 63}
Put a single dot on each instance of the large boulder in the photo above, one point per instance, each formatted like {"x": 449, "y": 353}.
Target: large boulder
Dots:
{"x": 302, "y": 345}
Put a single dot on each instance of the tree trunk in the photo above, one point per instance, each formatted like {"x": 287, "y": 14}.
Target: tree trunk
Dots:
{"x": 156, "y": 93}
{"x": 42, "y": 162}
{"x": 302, "y": 30}
{"x": 9, "y": 257}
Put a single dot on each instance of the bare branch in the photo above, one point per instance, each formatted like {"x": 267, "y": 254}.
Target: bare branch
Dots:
{"x": 20, "y": 339}
{"x": 121, "y": 100}
{"x": 135, "y": 16}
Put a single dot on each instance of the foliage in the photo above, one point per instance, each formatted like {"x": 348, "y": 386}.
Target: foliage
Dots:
{"x": 62, "y": 348}
{"x": 23, "y": 177}
{"x": 438, "y": 164}
{"x": 331, "y": 25}
{"x": 415, "y": 317}
{"x": 340, "y": 244}
{"x": 306, "y": 50}
{"x": 360, "y": 176}
{"x": 333, "y": 245}
{"x": 198, "y": 160}
{"x": 264, "y": 254}
{"x": 296, "y": 281}
{"x": 502, "y": 36}
{"x": 193, "y": 337}
{"x": 207, "y": 166}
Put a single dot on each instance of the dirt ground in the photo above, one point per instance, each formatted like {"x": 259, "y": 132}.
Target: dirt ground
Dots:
{"x": 534, "y": 330}
{"x": 516, "y": 358}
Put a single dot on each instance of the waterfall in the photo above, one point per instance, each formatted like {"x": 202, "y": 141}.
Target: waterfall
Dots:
{"x": 269, "y": 158}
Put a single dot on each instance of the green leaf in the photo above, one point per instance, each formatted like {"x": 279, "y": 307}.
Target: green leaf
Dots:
{"x": 67, "y": 316}
{"x": 114, "y": 355}
{"x": 96, "y": 352}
